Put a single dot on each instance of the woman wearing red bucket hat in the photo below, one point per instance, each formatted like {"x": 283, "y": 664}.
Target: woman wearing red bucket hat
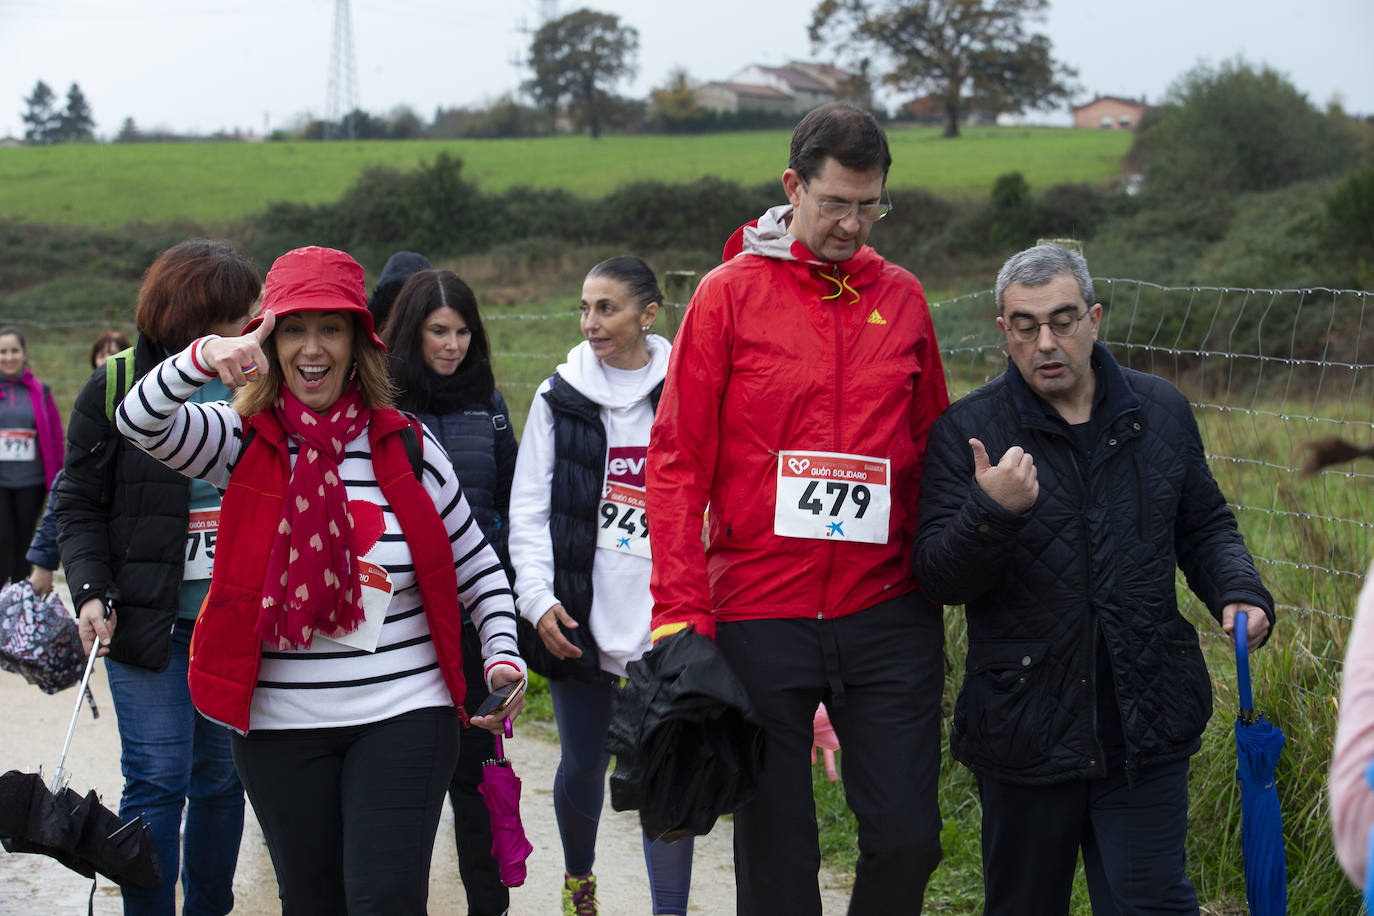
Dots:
{"x": 330, "y": 639}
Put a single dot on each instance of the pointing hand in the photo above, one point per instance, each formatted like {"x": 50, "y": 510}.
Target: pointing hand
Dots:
{"x": 239, "y": 360}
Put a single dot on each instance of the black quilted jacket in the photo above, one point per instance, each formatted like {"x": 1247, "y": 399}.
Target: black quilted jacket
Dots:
{"x": 1095, "y": 554}
{"x": 121, "y": 520}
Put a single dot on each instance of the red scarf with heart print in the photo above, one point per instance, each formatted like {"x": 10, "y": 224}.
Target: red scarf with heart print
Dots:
{"x": 311, "y": 585}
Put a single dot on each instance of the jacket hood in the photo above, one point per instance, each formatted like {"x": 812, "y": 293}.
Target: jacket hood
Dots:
{"x": 585, "y": 373}
{"x": 769, "y": 237}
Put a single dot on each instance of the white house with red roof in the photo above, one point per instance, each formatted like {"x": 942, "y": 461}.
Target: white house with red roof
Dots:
{"x": 795, "y": 88}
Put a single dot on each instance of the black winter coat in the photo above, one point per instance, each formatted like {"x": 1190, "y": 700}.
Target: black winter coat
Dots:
{"x": 121, "y": 522}
{"x": 1095, "y": 555}
{"x": 686, "y": 739}
{"x": 480, "y": 442}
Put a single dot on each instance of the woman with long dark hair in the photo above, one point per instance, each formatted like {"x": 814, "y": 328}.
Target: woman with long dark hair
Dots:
{"x": 441, "y": 365}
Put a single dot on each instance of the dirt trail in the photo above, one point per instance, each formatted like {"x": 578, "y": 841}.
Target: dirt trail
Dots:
{"x": 34, "y": 725}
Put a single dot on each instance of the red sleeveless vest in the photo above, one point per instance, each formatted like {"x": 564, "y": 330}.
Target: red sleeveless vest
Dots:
{"x": 226, "y": 652}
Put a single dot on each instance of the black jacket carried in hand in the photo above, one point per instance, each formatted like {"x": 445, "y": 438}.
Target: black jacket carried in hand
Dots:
{"x": 687, "y": 746}
{"x": 121, "y": 520}
{"x": 1091, "y": 563}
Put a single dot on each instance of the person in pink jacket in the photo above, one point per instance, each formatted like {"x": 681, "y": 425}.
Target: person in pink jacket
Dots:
{"x": 30, "y": 452}
{"x": 1352, "y": 798}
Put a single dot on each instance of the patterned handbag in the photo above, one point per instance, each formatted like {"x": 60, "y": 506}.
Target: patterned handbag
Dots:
{"x": 39, "y": 638}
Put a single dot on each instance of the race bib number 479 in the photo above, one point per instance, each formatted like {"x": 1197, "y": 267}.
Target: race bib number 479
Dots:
{"x": 833, "y": 496}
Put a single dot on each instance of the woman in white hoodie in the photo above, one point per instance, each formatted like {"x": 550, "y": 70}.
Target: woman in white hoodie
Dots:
{"x": 579, "y": 542}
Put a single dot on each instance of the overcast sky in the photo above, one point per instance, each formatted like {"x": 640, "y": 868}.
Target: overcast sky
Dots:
{"x": 201, "y": 65}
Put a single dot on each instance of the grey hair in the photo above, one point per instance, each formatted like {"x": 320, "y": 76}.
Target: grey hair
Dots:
{"x": 1038, "y": 266}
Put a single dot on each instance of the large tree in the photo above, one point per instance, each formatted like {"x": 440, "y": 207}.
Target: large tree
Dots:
{"x": 76, "y": 122}
{"x": 675, "y": 102}
{"x": 580, "y": 57}
{"x": 1237, "y": 128}
{"x": 971, "y": 54}
{"x": 40, "y": 115}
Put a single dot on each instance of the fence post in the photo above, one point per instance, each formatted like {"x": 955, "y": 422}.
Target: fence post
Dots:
{"x": 678, "y": 286}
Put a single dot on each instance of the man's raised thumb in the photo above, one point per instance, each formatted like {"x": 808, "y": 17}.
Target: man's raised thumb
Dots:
{"x": 980, "y": 456}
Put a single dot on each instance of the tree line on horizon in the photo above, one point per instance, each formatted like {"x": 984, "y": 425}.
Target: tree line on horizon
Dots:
{"x": 967, "y": 53}
{"x": 46, "y": 124}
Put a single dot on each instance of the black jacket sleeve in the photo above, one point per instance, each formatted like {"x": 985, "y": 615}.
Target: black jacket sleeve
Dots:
{"x": 1211, "y": 550}
{"x": 83, "y": 495}
{"x": 506, "y": 449}
{"x": 963, "y": 536}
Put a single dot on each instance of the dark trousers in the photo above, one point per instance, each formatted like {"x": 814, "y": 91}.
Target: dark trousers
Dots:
{"x": 349, "y": 814}
{"x": 19, "y": 508}
{"x": 482, "y": 886}
{"x": 1131, "y": 836}
{"x": 881, "y": 674}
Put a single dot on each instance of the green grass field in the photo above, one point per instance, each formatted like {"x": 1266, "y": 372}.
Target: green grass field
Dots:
{"x": 214, "y": 183}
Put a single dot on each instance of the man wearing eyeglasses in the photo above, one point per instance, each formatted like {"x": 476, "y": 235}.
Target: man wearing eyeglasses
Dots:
{"x": 1056, "y": 502}
{"x": 802, "y": 385}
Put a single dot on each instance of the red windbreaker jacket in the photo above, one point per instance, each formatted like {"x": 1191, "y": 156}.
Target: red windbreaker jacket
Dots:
{"x": 780, "y": 351}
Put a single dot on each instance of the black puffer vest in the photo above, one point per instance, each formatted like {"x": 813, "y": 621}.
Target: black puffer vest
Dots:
{"x": 579, "y": 469}
{"x": 481, "y": 445}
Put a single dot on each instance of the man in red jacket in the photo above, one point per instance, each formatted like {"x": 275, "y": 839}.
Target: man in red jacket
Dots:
{"x": 802, "y": 385}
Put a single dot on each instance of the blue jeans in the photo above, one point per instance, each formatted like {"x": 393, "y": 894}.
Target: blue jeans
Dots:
{"x": 173, "y": 758}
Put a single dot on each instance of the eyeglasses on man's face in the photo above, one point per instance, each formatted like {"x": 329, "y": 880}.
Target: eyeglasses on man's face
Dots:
{"x": 836, "y": 210}
{"x": 1062, "y": 324}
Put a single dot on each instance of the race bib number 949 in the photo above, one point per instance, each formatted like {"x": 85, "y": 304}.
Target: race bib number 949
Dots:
{"x": 833, "y": 496}
{"x": 622, "y": 525}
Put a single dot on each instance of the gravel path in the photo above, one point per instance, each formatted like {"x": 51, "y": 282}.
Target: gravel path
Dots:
{"x": 34, "y": 725}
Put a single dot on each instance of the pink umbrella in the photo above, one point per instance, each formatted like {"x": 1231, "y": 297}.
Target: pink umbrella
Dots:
{"x": 824, "y": 738}
{"x": 500, "y": 789}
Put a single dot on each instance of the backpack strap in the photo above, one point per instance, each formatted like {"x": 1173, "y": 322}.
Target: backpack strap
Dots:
{"x": 410, "y": 438}
{"x": 119, "y": 373}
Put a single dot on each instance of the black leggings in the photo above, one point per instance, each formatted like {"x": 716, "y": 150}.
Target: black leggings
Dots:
{"x": 349, "y": 814}
{"x": 487, "y": 896}
{"x": 19, "y": 508}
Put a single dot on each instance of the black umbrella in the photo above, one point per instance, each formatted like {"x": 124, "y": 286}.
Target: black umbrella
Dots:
{"x": 688, "y": 748}
{"x": 76, "y": 830}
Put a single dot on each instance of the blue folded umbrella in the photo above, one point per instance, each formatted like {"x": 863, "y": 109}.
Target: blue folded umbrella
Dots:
{"x": 1258, "y": 745}
{"x": 1369, "y": 855}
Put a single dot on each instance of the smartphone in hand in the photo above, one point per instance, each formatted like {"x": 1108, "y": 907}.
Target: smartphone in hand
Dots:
{"x": 500, "y": 699}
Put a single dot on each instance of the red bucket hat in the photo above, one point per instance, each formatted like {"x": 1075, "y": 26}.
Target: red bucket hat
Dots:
{"x": 316, "y": 279}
